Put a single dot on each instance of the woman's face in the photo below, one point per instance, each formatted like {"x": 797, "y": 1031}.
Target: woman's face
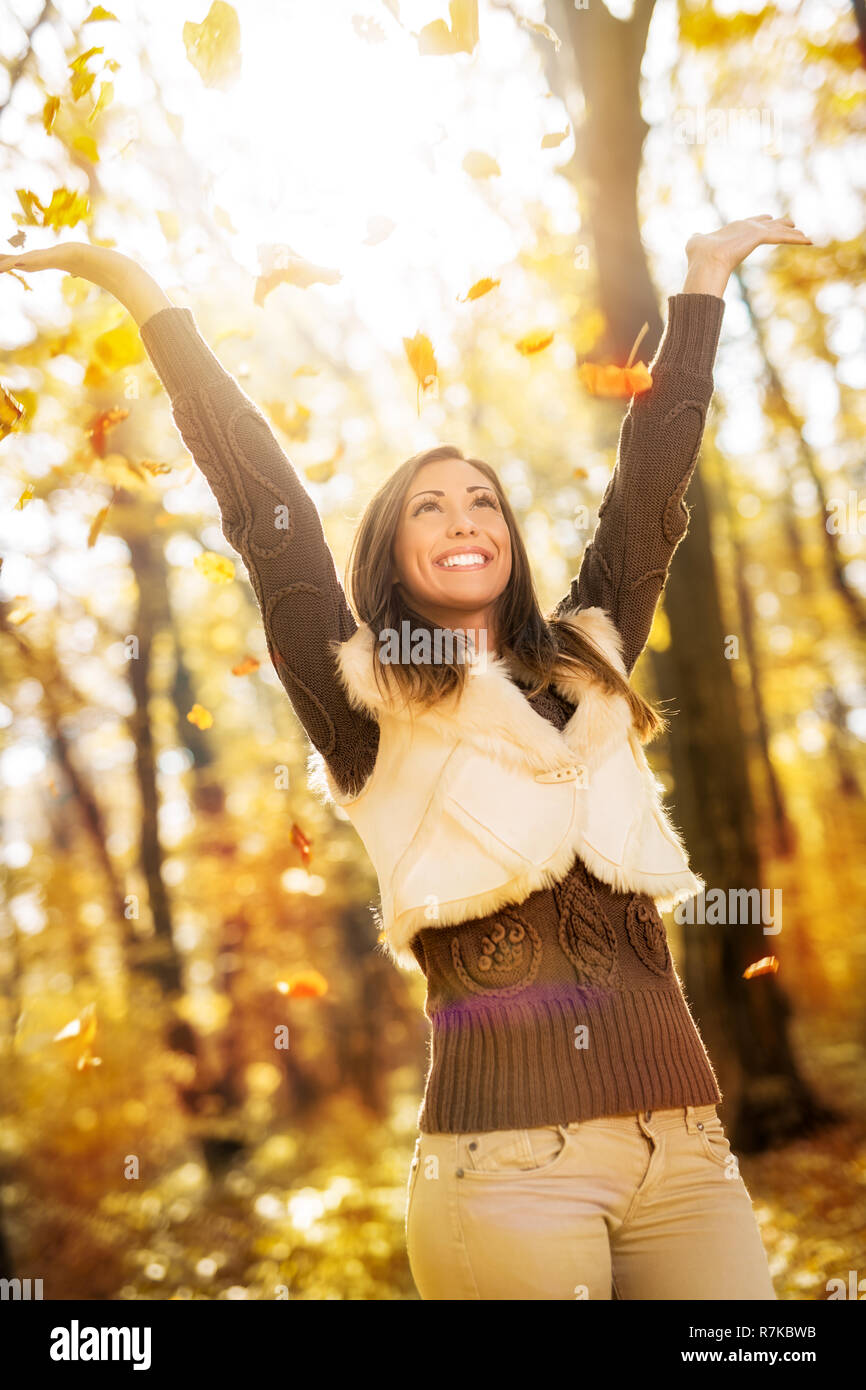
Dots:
{"x": 452, "y": 549}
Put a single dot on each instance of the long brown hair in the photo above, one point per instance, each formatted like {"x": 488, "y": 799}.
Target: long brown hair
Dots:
{"x": 540, "y": 644}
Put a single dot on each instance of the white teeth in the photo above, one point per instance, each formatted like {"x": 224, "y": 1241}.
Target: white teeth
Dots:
{"x": 454, "y": 560}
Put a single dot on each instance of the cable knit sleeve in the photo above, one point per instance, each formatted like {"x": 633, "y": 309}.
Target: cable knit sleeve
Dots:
{"x": 272, "y": 522}
{"x": 643, "y": 515}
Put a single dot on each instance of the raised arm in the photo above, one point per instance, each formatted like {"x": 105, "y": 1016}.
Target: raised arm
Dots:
{"x": 643, "y": 515}
{"x": 267, "y": 515}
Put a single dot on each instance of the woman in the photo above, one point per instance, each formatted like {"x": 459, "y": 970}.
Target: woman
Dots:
{"x": 569, "y": 1143}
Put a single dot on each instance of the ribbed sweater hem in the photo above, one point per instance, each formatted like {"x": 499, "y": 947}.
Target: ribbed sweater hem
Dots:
{"x": 644, "y": 1053}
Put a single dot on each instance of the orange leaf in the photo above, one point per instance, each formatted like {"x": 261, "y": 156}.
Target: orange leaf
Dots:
{"x": 243, "y": 668}
{"x": 96, "y": 524}
{"x": 478, "y": 289}
{"x": 549, "y": 142}
{"x": 615, "y": 381}
{"x": 101, "y": 424}
{"x": 306, "y": 984}
{"x": 768, "y": 965}
{"x": 300, "y": 840}
{"x": 534, "y": 342}
{"x": 80, "y": 1034}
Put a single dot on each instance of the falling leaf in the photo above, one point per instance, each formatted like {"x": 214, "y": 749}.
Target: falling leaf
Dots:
{"x": 222, "y": 219}
{"x": 534, "y": 342}
{"x": 219, "y": 569}
{"x": 368, "y": 29}
{"x": 422, "y": 360}
{"x": 18, "y": 240}
{"x": 49, "y": 113}
{"x": 300, "y": 840}
{"x": 478, "y": 289}
{"x": 245, "y": 667}
{"x": 155, "y": 468}
{"x": 98, "y": 13}
{"x": 306, "y": 370}
{"x": 580, "y": 473}
{"x": 295, "y": 425}
{"x": 437, "y": 39}
{"x": 80, "y": 1035}
{"x": 324, "y": 471}
{"x": 11, "y": 412}
{"x": 65, "y": 209}
{"x": 283, "y": 267}
{"x": 615, "y": 381}
{"x": 306, "y": 984}
{"x": 549, "y": 142}
{"x": 378, "y": 228}
{"x": 480, "y": 165}
{"x": 86, "y": 145}
{"x": 105, "y": 98}
{"x": 101, "y": 424}
{"x": 544, "y": 30}
{"x": 27, "y": 496}
{"x": 170, "y": 224}
{"x": 201, "y": 717}
{"x": 21, "y": 613}
{"x": 768, "y": 965}
{"x": 82, "y": 79}
{"x": 96, "y": 525}
{"x": 213, "y": 47}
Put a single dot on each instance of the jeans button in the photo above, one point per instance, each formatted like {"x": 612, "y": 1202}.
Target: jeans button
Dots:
{"x": 473, "y": 1143}
{"x": 701, "y": 1125}
{"x": 459, "y": 1173}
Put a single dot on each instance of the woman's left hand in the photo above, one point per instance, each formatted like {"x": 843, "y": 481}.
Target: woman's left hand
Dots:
{"x": 713, "y": 255}
{"x": 730, "y": 245}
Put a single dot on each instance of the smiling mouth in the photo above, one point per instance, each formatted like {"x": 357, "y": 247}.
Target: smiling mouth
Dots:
{"x": 471, "y": 560}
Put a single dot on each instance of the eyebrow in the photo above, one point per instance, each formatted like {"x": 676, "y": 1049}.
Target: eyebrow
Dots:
{"x": 436, "y": 492}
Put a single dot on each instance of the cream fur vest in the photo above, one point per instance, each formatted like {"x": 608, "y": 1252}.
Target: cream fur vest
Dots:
{"x": 480, "y": 801}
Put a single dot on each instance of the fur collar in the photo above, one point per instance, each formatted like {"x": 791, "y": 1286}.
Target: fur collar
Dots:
{"x": 494, "y": 714}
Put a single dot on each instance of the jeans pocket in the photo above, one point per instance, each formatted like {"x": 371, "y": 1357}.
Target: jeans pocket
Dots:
{"x": 715, "y": 1142}
{"x": 505, "y": 1153}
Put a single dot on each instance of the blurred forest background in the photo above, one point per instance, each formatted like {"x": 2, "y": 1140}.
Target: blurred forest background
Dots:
{"x": 487, "y": 197}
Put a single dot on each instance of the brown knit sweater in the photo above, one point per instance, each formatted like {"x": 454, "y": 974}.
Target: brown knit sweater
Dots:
{"x": 506, "y": 994}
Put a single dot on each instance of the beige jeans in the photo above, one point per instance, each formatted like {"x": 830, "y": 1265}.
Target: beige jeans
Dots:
{"x": 642, "y": 1206}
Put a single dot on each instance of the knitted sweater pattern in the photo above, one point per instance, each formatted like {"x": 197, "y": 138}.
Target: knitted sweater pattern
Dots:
{"x": 567, "y": 1006}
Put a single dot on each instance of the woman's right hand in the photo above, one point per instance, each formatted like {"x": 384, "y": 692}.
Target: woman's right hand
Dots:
{"x": 111, "y": 270}
{"x": 72, "y": 256}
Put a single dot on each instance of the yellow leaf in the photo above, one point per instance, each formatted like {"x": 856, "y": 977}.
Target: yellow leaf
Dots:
{"x": 65, "y": 209}
{"x": 82, "y": 80}
{"x": 96, "y": 526}
{"x": 282, "y": 267}
{"x": 86, "y": 145}
{"x": 436, "y": 38}
{"x": 49, "y": 113}
{"x": 27, "y": 496}
{"x": 422, "y": 360}
{"x": 324, "y": 471}
{"x": 219, "y": 569}
{"x": 544, "y": 30}
{"x": 201, "y": 717}
{"x": 98, "y": 13}
{"x": 479, "y": 288}
{"x": 549, "y": 142}
{"x": 481, "y": 165}
{"x": 378, "y": 228}
{"x": 534, "y": 342}
{"x": 105, "y": 98}
{"x": 222, "y": 219}
{"x": 296, "y": 425}
{"x": 213, "y": 47}
{"x": 119, "y": 347}
{"x": 19, "y": 615}
{"x": 11, "y": 412}
{"x": 74, "y": 290}
{"x": 170, "y": 225}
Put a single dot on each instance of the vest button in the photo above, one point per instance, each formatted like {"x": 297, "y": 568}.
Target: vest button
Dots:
{"x": 563, "y": 774}
{"x": 459, "y": 1173}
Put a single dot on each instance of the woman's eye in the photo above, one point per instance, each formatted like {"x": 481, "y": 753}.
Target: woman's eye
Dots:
{"x": 486, "y": 502}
